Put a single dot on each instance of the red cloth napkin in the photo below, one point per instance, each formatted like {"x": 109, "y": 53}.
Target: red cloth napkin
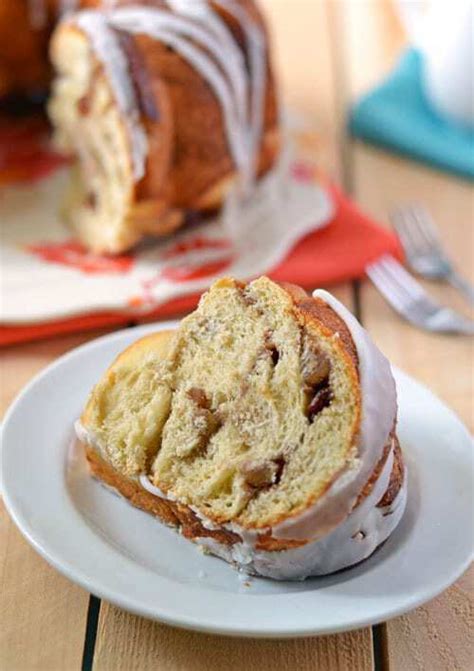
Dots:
{"x": 338, "y": 252}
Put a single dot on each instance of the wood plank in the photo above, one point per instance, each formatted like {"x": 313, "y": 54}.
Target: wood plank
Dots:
{"x": 442, "y": 362}
{"x": 382, "y": 181}
{"x": 129, "y": 642}
{"x": 372, "y": 37}
{"x": 303, "y": 60}
{"x": 43, "y": 615}
{"x": 438, "y": 635}
{"x": 19, "y": 363}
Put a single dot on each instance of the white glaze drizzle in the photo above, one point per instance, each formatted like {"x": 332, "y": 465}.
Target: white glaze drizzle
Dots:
{"x": 180, "y": 33}
{"x": 84, "y": 435}
{"x": 343, "y": 547}
{"x": 257, "y": 57}
{"x": 108, "y": 51}
{"x": 366, "y": 527}
{"x": 339, "y": 549}
{"x": 251, "y": 107}
{"x": 156, "y": 491}
{"x": 201, "y": 37}
{"x": 218, "y": 40}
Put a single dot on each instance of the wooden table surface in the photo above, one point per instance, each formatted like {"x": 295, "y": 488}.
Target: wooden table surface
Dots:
{"x": 326, "y": 54}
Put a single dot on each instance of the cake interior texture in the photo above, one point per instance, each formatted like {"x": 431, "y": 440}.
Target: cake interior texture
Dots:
{"x": 247, "y": 414}
{"x": 89, "y": 125}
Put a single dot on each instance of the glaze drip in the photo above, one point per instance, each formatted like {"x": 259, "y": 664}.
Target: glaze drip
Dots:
{"x": 199, "y": 35}
{"x": 108, "y": 50}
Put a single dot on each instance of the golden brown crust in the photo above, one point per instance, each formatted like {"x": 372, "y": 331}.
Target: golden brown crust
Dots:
{"x": 315, "y": 310}
{"x": 169, "y": 512}
{"x": 397, "y": 477}
{"x": 180, "y": 516}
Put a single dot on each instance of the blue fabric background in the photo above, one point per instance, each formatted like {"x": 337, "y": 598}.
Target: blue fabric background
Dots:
{"x": 395, "y": 115}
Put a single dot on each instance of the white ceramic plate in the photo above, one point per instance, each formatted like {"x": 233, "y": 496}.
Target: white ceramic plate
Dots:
{"x": 127, "y": 557}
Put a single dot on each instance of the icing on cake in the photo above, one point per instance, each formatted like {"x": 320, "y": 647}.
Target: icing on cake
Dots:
{"x": 195, "y": 31}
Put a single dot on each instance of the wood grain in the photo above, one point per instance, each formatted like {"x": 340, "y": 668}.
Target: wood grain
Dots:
{"x": 303, "y": 57}
{"x": 437, "y": 360}
{"x": 437, "y": 636}
{"x": 127, "y": 642}
{"x": 42, "y": 614}
{"x": 19, "y": 363}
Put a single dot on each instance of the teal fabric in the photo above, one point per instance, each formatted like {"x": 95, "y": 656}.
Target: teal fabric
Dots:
{"x": 396, "y": 116}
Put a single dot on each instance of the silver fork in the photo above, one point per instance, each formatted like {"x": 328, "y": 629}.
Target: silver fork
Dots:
{"x": 423, "y": 248}
{"x": 410, "y": 300}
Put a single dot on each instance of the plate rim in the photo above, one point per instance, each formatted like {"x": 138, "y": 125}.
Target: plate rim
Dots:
{"x": 128, "y": 602}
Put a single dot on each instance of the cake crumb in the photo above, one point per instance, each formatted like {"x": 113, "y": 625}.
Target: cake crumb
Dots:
{"x": 244, "y": 579}
{"x": 204, "y": 550}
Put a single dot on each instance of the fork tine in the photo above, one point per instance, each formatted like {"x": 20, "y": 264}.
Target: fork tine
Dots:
{"x": 416, "y": 223}
{"x": 404, "y": 222}
{"x": 410, "y": 300}
{"x": 401, "y": 302}
{"x": 426, "y": 228}
{"x": 387, "y": 293}
{"x": 386, "y": 285}
{"x": 403, "y": 231}
{"x": 415, "y": 303}
{"x": 403, "y": 279}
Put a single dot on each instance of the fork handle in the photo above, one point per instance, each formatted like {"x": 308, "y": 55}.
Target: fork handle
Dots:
{"x": 462, "y": 285}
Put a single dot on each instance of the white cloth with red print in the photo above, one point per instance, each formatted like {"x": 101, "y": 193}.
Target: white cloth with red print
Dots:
{"x": 46, "y": 275}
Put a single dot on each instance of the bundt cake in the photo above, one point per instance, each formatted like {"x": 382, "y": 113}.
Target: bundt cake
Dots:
{"x": 263, "y": 428}
{"x": 165, "y": 104}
